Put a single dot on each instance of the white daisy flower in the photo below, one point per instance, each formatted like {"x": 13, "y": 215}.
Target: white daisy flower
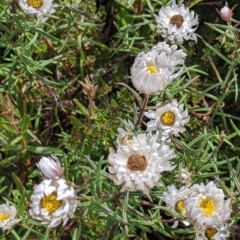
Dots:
{"x": 168, "y": 119}
{"x": 138, "y": 164}
{"x": 37, "y": 7}
{"x": 176, "y": 24}
{"x": 50, "y": 167}
{"x": 206, "y": 205}
{"x": 53, "y": 202}
{"x": 175, "y": 200}
{"x": 213, "y": 232}
{"x": 8, "y": 216}
{"x": 153, "y": 71}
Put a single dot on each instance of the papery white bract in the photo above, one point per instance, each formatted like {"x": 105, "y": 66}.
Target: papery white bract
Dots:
{"x": 168, "y": 119}
{"x": 176, "y": 24}
{"x": 53, "y": 202}
{"x": 138, "y": 164}
{"x": 206, "y": 205}
{"x": 37, "y": 7}
{"x": 50, "y": 167}
{"x": 8, "y": 216}
{"x": 125, "y": 134}
{"x": 184, "y": 177}
{"x": 154, "y": 70}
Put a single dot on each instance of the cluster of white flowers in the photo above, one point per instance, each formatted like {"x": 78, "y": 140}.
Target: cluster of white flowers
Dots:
{"x": 140, "y": 159}
{"x": 203, "y": 205}
{"x": 53, "y": 200}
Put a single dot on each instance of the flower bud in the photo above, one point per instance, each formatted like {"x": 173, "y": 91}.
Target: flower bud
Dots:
{"x": 225, "y": 12}
{"x": 50, "y": 167}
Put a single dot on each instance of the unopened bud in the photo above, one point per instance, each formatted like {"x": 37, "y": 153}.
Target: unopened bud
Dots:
{"x": 50, "y": 167}
{"x": 226, "y": 13}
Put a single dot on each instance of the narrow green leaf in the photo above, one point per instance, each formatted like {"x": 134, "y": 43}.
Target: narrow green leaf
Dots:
{"x": 15, "y": 234}
{"x": 32, "y": 62}
{"x": 25, "y": 123}
{"x": 233, "y": 175}
{"x": 33, "y": 136}
{"x": 46, "y": 234}
{"x": 26, "y": 235}
{"x": 18, "y": 183}
{"x": 225, "y": 27}
{"x": 16, "y": 140}
{"x": 42, "y": 32}
{"x": 8, "y": 161}
{"x": 44, "y": 150}
{"x": 81, "y": 108}
{"x": 218, "y": 53}
{"x": 75, "y": 122}
{"x": 235, "y": 127}
{"x": 200, "y": 138}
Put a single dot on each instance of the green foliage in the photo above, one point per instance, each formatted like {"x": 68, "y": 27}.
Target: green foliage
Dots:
{"x": 63, "y": 92}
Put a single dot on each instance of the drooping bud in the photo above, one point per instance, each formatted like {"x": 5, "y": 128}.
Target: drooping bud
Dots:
{"x": 50, "y": 167}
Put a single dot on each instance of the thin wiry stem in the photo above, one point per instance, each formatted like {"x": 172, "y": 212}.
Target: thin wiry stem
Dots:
{"x": 140, "y": 116}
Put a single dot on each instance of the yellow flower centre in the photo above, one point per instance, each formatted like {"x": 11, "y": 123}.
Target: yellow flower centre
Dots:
{"x": 35, "y": 3}
{"x": 177, "y": 20}
{"x": 152, "y": 69}
{"x": 137, "y": 163}
{"x": 3, "y": 217}
{"x": 180, "y": 206}
{"x": 210, "y": 232}
{"x": 168, "y": 118}
{"x": 207, "y": 206}
{"x": 50, "y": 203}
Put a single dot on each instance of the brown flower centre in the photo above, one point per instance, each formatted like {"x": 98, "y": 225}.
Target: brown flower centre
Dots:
{"x": 210, "y": 232}
{"x": 168, "y": 118}
{"x": 137, "y": 163}
{"x": 177, "y": 20}
{"x": 35, "y": 3}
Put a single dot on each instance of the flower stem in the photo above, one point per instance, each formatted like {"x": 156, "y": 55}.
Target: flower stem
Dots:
{"x": 140, "y": 116}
